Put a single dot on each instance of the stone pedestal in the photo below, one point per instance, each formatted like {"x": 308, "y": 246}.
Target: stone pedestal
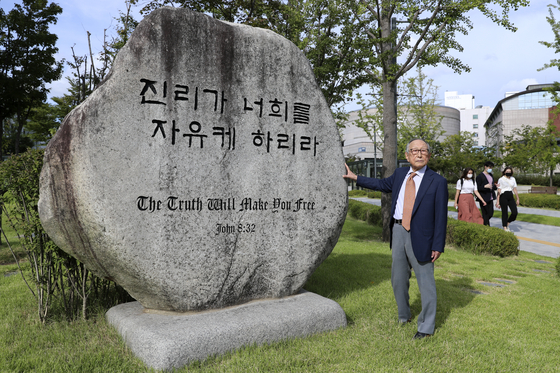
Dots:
{"x": 167, "y": 340}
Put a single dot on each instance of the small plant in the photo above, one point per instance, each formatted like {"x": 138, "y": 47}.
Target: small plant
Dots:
{"x": 57, "y": 281}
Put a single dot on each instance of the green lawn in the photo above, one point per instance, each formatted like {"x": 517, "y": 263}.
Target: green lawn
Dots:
{"x": 512, "y": 328}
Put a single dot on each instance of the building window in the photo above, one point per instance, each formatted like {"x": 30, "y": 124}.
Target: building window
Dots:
{"x": 475, "y": 116}
{"x": 475, "y": 134}
{"x": 475, "y": 126}
{"x": 476, "y": 143}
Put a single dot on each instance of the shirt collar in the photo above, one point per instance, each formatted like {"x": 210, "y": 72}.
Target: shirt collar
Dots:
{"x": 420, "y": 172}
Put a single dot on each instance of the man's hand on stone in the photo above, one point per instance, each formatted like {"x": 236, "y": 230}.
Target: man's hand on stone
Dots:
{"x": 349, "y": 174}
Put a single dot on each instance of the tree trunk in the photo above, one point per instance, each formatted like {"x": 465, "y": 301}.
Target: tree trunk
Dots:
{"x": 389, "y": 150}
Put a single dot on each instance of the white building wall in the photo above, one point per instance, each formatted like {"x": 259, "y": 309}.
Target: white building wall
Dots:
{"x": 472, "y": 118}
{"x": 459, "y": 102}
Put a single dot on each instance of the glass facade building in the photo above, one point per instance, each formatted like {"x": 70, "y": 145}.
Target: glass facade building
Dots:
{"x": 527, "y": 108}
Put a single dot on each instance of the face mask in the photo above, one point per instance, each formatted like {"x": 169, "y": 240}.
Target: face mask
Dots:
{"x": 469, "y": 176}
{"x": 489, "y": 170}
{"x": 508, "y": 174}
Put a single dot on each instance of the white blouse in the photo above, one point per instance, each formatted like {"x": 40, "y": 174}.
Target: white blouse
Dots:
{"x": 506, "y": 185}
{"x": 469, "y": 186}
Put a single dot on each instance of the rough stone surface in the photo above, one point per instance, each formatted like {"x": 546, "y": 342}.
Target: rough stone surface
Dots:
{"x": 204, "y": 172}
{"x": 165, "y": 341}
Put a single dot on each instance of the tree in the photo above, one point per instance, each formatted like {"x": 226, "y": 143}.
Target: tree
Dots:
{"x": 85, "y": 77}
{"x": 420, "y": 119}
{"x": 555, "y": 25}
{"x": 27, "y": 61}
{"x": 457, "y": 152}
{"x": 533, "y": 149}
{"x": 426, "y": 39}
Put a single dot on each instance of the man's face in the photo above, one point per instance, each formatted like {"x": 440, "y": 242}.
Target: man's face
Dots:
{"x": 418, "y": 160}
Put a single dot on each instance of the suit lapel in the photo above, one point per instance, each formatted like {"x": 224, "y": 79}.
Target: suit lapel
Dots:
{"x": 424, "y": 186}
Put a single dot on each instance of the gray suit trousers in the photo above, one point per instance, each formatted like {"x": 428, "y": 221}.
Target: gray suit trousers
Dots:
{"x": 403, "y": 261}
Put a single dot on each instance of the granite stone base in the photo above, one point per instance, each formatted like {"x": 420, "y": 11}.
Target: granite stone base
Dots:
{"x": 167, "y": 340}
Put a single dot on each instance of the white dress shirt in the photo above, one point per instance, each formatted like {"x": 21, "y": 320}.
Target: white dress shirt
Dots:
{"x": 400, "y": 200}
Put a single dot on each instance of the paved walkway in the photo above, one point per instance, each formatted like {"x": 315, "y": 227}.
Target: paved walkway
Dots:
{"x": 535, "y": 238}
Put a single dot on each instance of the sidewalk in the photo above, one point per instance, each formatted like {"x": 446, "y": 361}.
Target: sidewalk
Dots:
{"x": 535, "y": 238}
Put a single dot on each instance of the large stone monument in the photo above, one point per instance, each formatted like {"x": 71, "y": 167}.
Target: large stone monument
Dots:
{"x": 204, "y": 173}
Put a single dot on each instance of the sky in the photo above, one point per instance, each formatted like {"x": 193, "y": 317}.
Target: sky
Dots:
{"x": 501, "y": 61}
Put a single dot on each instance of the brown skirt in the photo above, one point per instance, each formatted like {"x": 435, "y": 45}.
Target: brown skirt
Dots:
{"x": 468, "y": 210}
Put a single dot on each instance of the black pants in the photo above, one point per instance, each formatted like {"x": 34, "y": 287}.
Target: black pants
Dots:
{"x": 507, "y": 200}
{"x": 487, "y": 211}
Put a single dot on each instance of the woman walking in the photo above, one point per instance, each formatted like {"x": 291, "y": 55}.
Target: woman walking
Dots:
{"x": 507, "y": 186}
{"x": 464, "y": 200}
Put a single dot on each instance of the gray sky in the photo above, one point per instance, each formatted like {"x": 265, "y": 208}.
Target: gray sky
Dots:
{"x": 501, "y": 61}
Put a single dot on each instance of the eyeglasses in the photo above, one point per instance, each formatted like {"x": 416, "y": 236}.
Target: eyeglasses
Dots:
{"x": 415, "y": 151}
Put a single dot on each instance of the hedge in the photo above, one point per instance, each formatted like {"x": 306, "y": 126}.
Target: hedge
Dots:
{"x": 551, "y": 201}
{"x": 366, "y": 212}
{"x": 481, "y": 239}
{"x": 478, "y": 239}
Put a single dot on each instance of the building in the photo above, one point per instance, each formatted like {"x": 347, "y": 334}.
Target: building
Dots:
{"x": 532, "y": 107}
{"x": 472, "y": 117}
{"x": 358, "y": 144}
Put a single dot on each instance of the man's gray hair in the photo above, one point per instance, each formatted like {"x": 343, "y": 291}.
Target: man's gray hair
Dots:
{"x": 408, "y": 145}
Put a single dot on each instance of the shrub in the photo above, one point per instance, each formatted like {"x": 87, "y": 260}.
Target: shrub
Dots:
{"x": 357, "y": 193}
{"x": 452, "y": 190}
{"x": 366, "y": 212}
{"x": 551, "y": 201}
{"x": 60, "y": 284}
{"x": 537, "y": 180}
{"x": 480, "y": 239}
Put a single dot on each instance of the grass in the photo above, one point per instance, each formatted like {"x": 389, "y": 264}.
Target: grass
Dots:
{"x": 512, "y": 328}
{"x": 6, "y": 255}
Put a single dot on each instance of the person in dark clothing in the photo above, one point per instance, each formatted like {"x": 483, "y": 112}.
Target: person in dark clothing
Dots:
{"x": 486, "y": 188}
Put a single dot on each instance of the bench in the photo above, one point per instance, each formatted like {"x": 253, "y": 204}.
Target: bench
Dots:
{"x": 543, "y": 190}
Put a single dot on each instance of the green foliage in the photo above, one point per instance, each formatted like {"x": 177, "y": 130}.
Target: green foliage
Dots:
{"x": 328, "y": 33}
{"x": 481, "y": 239}
{"x": 57, "y": 281}
{"x": 537, "y": 180}
{"x": 451, "y": 190}
{"x": 551, "y": 201}
{"x": 27, "y": 59}
{"x": 364, "y": 193}
{"x": 478, "y": 239}
{"x": 532, "y": 149}
{"x": 12, "y": 137}
{"x": 421, "y": 121}
{"x": 366, "y": 212}
{"x": 555, "y": 26}
{"x": 478, "y": 328}
{"x": 458, "y": 152}
{"x": 558, "y": 266}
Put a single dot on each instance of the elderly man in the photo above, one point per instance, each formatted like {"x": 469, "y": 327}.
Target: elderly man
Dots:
{"x": 418, "y": 229}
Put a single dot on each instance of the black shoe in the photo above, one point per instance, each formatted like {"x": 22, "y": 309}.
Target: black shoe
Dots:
{"x": 420, "y": 335}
